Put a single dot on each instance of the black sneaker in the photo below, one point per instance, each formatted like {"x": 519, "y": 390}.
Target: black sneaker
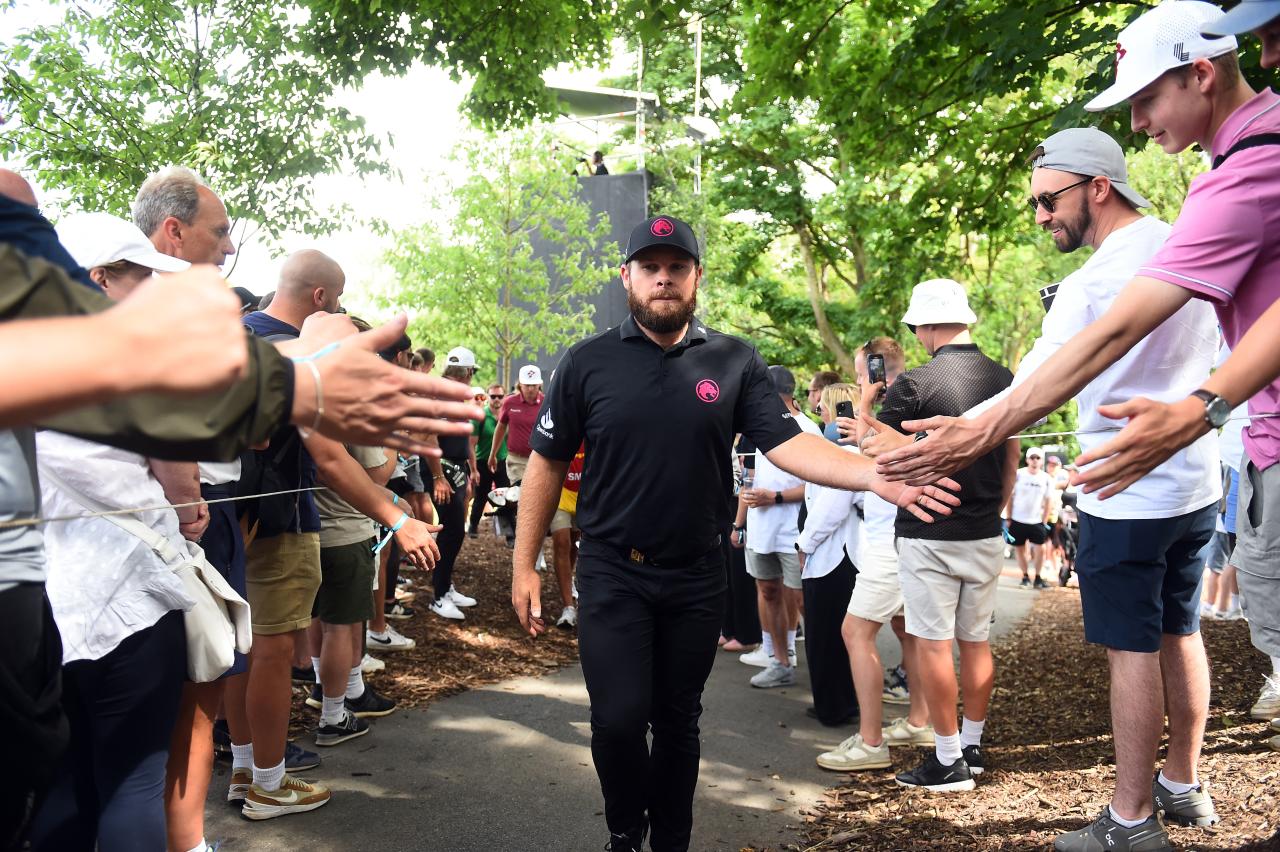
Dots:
{"x": 1026, "y": 581}
{"x": 397, "y": 611}
{"x": 472, "y": 532}
{"x": 622, "y": 843}
{"x": 301, "y": 675}
{"x": 371, "y": 704}
{"x": 349, "y": 728}
{"x": 932, "y": 775}
{"x": 316, "y": 699}
{"x": 221, "y": 737}
{"x": 1106, "y": 835}
{"x": 1040, "y": 583}
{"x": 298, "y": 759}
{"x": 1192, "y": 808}
{"x": 973, "y": 757}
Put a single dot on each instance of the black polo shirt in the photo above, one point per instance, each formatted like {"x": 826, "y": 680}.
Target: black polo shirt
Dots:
{"x": 958, "y": 378}
{"x": 659, "y": 429}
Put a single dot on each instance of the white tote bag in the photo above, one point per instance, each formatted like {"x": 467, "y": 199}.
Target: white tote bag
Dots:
{"x": 219, "y": 624}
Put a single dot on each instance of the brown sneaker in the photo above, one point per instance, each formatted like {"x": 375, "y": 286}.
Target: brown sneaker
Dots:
{"x": 241, "y": 781}
{"x": 294, "y": 796}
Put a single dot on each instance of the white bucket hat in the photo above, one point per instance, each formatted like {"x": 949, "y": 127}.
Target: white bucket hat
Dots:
{"x": 939, "y": 301}
{"x": 98, "y": 239}
{"x": 1160, "y": 40}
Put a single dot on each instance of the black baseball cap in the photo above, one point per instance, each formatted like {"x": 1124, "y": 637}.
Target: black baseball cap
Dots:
{"x": 663, "y": 231}
{"x": 783, "y": 380}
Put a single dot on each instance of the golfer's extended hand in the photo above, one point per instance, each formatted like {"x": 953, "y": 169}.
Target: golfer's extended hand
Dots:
{"x": 1155, "y": 431}
{"x": 920, "y": 501}
{"x": 369, "y": 401}
{"x": 953, "y": 444}
{"x": 526, "y": 599}
{"x": 415, "y": 541}
{"x": 881, "y": 439}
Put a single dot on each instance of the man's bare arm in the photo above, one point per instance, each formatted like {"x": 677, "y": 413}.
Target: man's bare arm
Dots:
{"x": 539, "y": 496}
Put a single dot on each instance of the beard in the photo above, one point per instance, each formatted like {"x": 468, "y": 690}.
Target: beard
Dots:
{"x": 1072, "y": 236}
{"x": 662, "y": 316}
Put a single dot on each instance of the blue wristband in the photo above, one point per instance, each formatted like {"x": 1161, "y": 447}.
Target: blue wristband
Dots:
{"x": 318, "y": 354}
{"x": 392, "y": 530}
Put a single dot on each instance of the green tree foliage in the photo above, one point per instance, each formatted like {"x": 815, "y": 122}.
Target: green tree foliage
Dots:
{"x": 107, "y": 96}
{"x": 471, "y": 268}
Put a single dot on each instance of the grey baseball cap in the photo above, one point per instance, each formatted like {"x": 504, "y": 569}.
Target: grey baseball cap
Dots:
{"x": 1090, "y": 152}
{"x": 1248, "y": 15}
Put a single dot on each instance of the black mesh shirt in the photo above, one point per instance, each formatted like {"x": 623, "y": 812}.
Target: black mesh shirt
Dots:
{"x": 958, "y": 378}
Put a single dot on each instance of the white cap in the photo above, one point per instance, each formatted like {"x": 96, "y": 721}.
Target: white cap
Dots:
{"x": 1160, "y": 40}
{"x": 478, "y": 391}
{"x": 939, "y": 301}
{"x": 97, "y": 239}
{"x": 1035, "y": 452}
{"x": 530, "y": 375}
{"x": 460, "y": 356}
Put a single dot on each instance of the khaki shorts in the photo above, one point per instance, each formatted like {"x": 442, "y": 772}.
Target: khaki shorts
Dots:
{"x": 563, "y": 520}
{"x": 282, "y": 575}
{"x": 772, "y": 566}
{"x": 949, "y": 587}
{"x": 877, "y": 596}
{"x": 1257, "y": 554}
{"x": 515, "y": 467}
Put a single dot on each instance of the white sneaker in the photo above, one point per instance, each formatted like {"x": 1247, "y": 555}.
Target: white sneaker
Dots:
{"x": 774, "y": 676}
{"x": 389, "y": 641}
{"x": 459, "y": 599}
{"x": 903, "y": 733}
{"x": 370, "y": 664}
{"x": 1268, "y": 704}
{"x": 1236, "y": 614}
{"x": 446, "y": 608}
{"x": 568, "y": 618}
{"x": 853, "y": 754}
{"x": 756, "y": 658}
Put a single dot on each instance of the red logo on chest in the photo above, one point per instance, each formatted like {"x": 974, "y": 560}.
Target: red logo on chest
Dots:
{"x": 707, "y": 390}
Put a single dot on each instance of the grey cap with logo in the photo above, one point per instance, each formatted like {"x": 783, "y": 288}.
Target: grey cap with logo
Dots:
{"x": 1089, "y": 152}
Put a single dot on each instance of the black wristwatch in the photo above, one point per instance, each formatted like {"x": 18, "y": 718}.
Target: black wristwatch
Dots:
{"x": 777, "y": 497}
{"x": 1217, "y": 411}
{"x": 736, "y": 528}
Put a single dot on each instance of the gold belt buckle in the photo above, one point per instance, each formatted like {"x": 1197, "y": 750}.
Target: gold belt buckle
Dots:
{"x": 636, "y": 556}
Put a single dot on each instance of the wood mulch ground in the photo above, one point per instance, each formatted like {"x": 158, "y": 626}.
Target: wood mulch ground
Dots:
{"x": 454, "y": 656}
{"x": 1050, "y": 755}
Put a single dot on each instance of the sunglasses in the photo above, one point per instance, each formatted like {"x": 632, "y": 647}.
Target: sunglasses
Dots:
{"x": 496, "y": 395}
{"x": 1047, "y": 199}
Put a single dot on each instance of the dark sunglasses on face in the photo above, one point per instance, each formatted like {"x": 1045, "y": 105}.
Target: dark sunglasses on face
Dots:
{"x": 1047, "y": 199}
{"x": 496, "y": 395}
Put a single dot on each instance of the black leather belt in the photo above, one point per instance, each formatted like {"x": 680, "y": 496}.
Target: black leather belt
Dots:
{"x": 632, "y": 554}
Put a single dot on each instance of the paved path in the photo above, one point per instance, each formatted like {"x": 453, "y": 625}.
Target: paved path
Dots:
{"x": 508, "y": 768}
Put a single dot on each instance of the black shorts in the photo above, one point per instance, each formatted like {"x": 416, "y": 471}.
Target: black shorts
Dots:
{"x": 346, "y": 583}
{"x": 1022, "y": 533}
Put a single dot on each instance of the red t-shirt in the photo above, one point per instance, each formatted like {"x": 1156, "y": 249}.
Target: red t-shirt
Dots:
{"x": 520, "y": 417}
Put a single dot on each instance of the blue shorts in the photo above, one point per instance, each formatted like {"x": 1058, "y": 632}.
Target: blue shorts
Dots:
{"x": 1140, "y": 579}
{"x": 223, "y": 546}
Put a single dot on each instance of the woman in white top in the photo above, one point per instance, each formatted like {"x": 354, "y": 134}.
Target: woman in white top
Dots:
{"x": 117, "y": 604}
{"x": 829, "y": 536}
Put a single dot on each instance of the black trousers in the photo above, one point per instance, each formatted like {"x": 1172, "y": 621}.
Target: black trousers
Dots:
{"x": 488, "y": 481}
{"x": 826, "y": 600}
{"x": 741, "y": 610}
{"x": 30, "y": 706}
{"x": 647, "y": 641}
{"x": 109, "y": 791}
{"x": 453, "y": 517}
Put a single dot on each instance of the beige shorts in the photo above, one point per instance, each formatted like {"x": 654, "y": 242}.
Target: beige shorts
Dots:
{"x": 949, "y": 587}
{"x": 877, "y": 596}
{"x": 774, "y": 566}
{"x": 282, "y": 574}
{"x": 563, "y": 520}
{"x": 515, "y": 467}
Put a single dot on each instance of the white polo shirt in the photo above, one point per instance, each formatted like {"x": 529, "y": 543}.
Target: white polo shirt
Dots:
{"x": 774, "y": 528}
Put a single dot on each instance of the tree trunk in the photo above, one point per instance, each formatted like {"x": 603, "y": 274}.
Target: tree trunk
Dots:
{"x": 825, "y": 332}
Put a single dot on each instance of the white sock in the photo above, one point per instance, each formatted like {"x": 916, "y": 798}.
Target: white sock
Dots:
{"x": 269, "y": 779}
{"x": 1235, "y": 601}
{"x": 1127, "y": 823}
{"x": 381, "y": 634}
{"x": 1176, "y": 786}
{"x": 333, "y": 709}
{"x": 202, "y": 846}
{"x": 355, "y": 683}
{"x": 971, "y": 732}
{"x": 768, "y": 644}
{"x": 791, "y": 642}
{"x": 1275, "y": 666}
{"x": 947, "y": 748}
{"x": 315, "y": 664}
{"x": 241, "y": 756}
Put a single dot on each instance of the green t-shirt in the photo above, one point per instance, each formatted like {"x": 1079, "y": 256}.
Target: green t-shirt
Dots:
{"x": 483, "y": 431}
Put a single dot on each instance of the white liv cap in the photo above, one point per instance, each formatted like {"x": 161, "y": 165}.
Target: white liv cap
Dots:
{"x": 460, "y": 356}
{"x": 98, "y": 239}
{"x": 939, "y": 301}
{"x": 1162, "y": 39}
{"x": 530, "y": 375}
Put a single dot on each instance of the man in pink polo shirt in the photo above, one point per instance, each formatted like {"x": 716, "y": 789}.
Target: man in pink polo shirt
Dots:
{"x": 1225, "y": 247}
{"x": 516, "y": 420}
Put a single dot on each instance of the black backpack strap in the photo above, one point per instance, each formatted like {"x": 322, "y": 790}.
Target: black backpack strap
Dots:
{"x": 1248, "y": 142}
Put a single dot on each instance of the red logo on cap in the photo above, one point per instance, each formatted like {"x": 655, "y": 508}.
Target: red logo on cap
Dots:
{"x": 707, "y": 390}
{"x": 662, "y": 228}
{"x": 1120, "y": 52}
